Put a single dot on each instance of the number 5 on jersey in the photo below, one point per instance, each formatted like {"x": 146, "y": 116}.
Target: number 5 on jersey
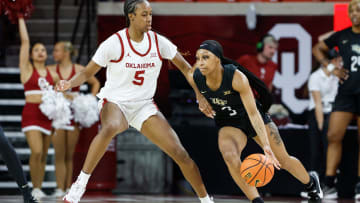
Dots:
{"x": 138, "y": 78}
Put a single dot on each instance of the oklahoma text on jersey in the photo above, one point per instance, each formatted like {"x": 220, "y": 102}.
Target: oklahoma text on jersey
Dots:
{"x": 140, "y": 65}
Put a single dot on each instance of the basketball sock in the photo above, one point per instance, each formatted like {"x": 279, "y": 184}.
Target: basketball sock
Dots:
{"x": 310, "y": 185}
{"x": 257, "y": 200}
{"x": 205, "y": 199}
{"x": 330, "y": 181}
{"x": 83, "y": 178}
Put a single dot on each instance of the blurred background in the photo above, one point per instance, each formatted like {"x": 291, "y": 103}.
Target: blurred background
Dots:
{"x": 132, "y": 164}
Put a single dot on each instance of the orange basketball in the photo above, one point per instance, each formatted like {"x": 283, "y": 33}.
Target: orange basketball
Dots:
{"x": 257, "y": 170}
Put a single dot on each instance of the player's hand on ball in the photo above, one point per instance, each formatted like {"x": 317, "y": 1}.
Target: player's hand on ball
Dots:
{"x": 205, "y": 107}
{"x": 269, "y": 153}
{"x": 62, "y": 85}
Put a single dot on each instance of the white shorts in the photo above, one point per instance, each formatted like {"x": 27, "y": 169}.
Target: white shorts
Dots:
{"x": 135, "y": 112}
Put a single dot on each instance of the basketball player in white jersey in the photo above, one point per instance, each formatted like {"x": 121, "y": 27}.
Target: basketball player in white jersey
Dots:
{"x": 133, "y": 58}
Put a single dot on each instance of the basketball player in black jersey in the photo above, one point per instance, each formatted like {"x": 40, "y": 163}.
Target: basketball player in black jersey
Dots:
{"x": 228, "y": 88}
{"x": 13, "y": 164}
{"x": 347, "y": 101}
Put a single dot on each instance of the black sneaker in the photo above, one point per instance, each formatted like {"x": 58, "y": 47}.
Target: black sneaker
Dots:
{"x": 357, "y": 191}
{"x": 315, "y": 193}
{"x": 330, "y": 192}
{"x": 31, "y": 199}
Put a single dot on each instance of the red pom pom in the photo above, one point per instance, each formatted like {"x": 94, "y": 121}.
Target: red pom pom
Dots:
{"x": 17, "y": 8}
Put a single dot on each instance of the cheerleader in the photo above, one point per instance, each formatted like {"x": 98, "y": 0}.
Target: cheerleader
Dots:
{"x": 65, "y": 138}
{"x": 35, "y": 125}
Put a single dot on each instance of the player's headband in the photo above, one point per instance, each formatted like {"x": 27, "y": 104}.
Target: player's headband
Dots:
{"x": 212, "y": 46}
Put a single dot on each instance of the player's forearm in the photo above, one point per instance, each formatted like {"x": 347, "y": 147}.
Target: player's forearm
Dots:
{"x": 85, "y": 74}
{"x": 95, "y": 88}
{"x": 24, "y": 36}
{"x": 320, "y": 56}
{"x": 193, "y": 85}
{"x": 319, "y": 116}
{"x": 186, "y": 70}
{"x": 259, "y": 126}
{"x": 79, "y": 78}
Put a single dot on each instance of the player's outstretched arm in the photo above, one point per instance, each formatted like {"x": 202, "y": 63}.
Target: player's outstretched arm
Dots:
{"x": 319, "y": 51}
{"x": 92, "y": 81}
{"x": 91, "y": 69}
{"x": 241, "y": 84}
{"x": 187, "y": 71}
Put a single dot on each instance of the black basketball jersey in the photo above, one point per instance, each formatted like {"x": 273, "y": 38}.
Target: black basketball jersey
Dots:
{"x": 225, "y": 101}
{"x": 348, "y": 43}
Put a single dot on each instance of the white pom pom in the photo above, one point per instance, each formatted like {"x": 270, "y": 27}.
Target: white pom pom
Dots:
{"x": 85, "y": 110}
{"x": 55, "y": 107}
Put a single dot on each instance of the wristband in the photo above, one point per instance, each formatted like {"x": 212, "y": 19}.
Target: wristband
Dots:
{"x": 330, "y": 67}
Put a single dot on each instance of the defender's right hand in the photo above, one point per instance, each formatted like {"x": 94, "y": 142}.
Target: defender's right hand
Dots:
{"x": 62, "y": 86}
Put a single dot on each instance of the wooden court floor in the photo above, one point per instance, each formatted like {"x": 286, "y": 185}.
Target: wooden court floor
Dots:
{"x": 168, "y": 199}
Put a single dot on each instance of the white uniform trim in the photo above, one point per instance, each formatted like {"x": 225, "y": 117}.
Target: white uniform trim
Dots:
{"x": 68, "y": 127}
{"x": 136, "y": 113}
{"x": 132, "y": 67}
{"x": 32, "y": 92}
{"x": 35, "y": 127}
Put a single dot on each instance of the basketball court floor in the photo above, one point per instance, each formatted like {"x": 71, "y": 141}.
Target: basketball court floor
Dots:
{"x": 168, "y": 199}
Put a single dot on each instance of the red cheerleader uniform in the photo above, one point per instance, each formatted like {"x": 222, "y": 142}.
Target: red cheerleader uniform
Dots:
{"x": 32, "y": 117}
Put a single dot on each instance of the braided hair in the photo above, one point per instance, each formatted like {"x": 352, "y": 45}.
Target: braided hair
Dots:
{"x": 263, "y": 94}
{"x": 129, "y": 7}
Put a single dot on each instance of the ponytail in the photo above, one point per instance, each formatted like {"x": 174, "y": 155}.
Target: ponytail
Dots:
{"x": 263, "y": 94}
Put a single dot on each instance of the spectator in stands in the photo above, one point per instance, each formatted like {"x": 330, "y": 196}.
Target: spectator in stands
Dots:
{"x": 36, "y": 126}
{"x": 13, "y": 164}
{"x": 64, "y": 140}
{"x": 347, "y": 101}
{"x": 261, "y": 64}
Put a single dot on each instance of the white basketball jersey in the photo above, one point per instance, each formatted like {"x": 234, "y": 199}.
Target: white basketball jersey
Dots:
{"x": 133, "y": 76}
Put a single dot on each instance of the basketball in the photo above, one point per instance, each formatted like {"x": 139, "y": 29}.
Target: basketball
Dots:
{"x": 257, "y": 170}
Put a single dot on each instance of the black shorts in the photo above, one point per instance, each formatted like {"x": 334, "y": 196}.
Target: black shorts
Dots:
{"x": 347, "y": 103}
{"x": 243, "y": 123}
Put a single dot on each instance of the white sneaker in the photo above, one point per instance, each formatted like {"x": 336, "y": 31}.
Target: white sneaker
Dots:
{"x": 76, "y": 192}
{"x": 58, "y": 193}
{"x": 37, "y": 193}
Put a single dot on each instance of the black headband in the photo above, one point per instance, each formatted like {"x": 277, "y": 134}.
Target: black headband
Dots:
{"x": 212, "y": 46}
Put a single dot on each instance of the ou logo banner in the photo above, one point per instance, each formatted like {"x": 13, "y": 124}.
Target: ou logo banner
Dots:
{"x": 289, "y": 80}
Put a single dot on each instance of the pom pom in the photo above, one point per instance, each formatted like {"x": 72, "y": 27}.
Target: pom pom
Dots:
{"x": 17, "y": 8}
{"x": 85, "y": 109}
{"x": 54, "y": 105}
